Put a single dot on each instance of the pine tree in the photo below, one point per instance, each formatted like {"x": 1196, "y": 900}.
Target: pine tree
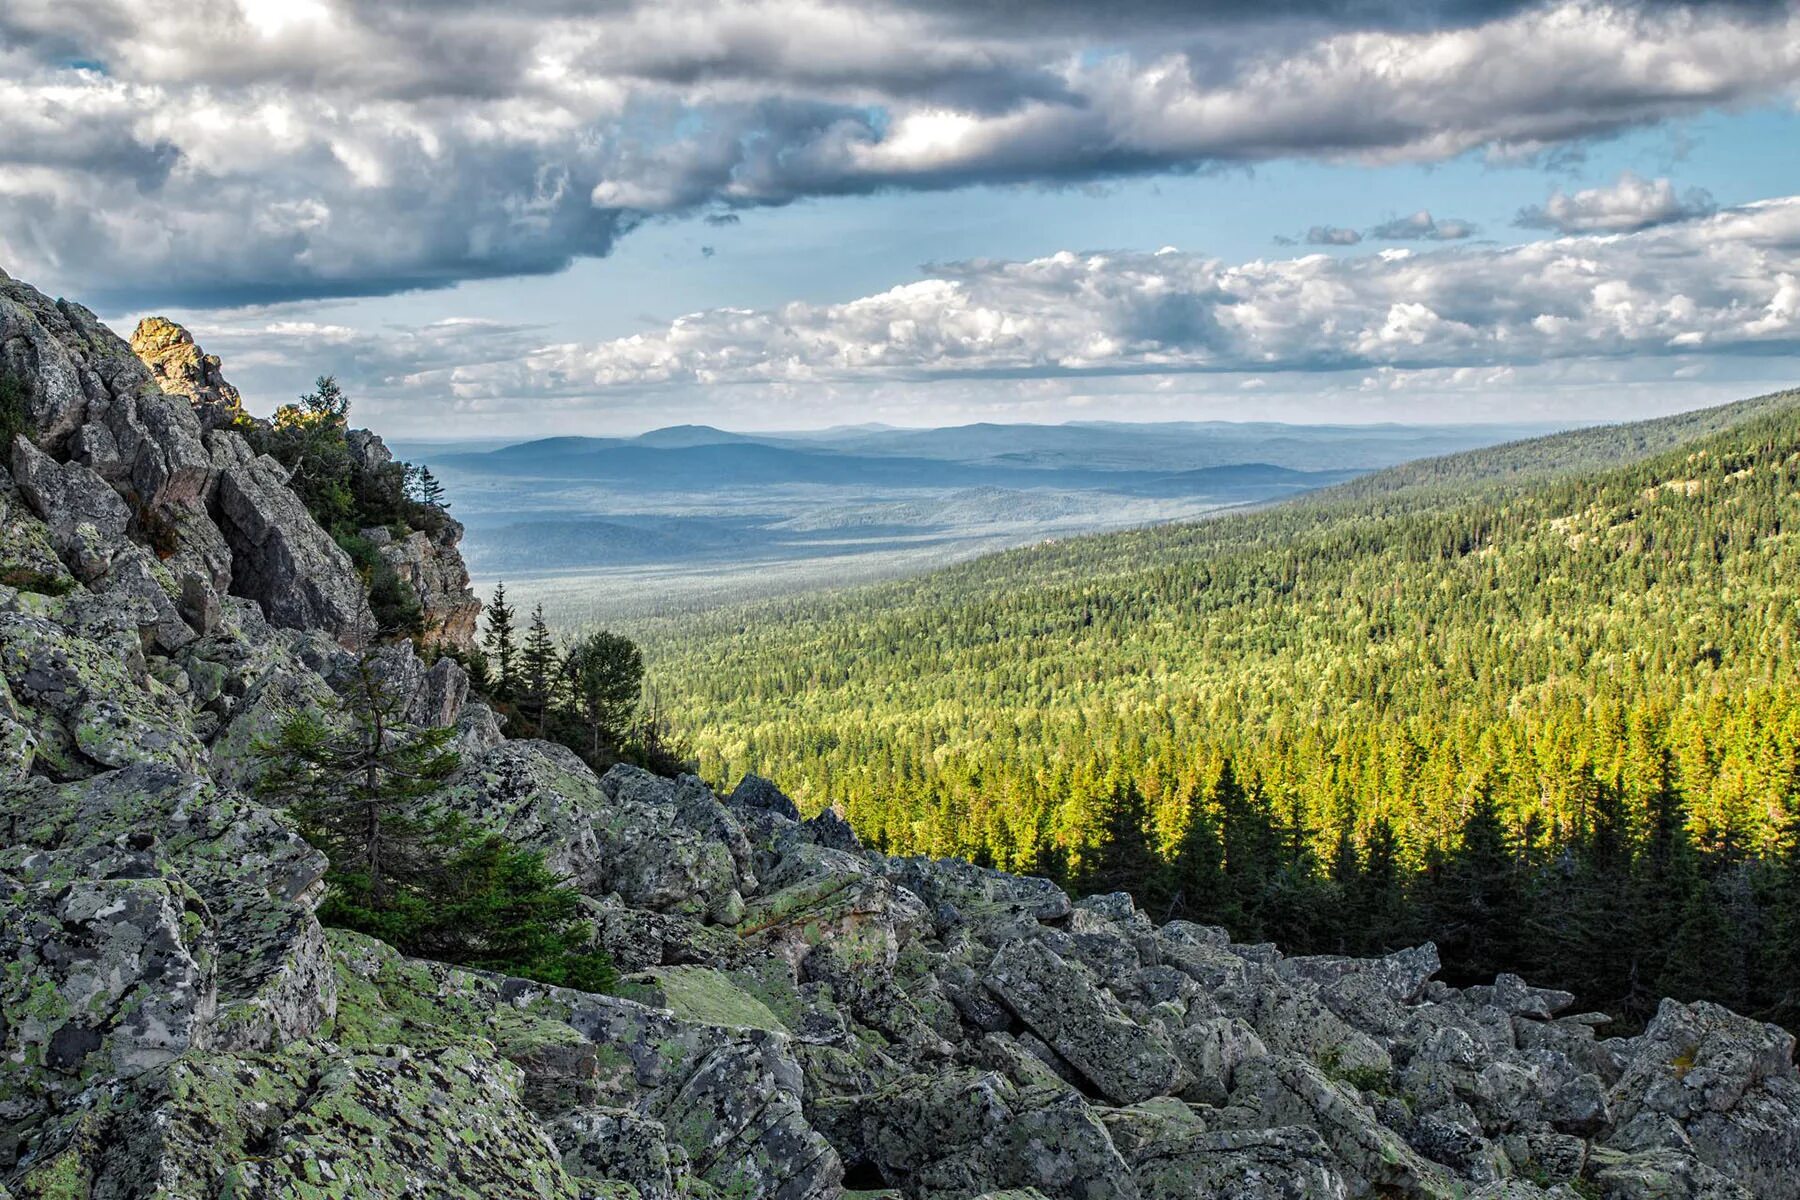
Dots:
{"x": 502, "y": 655}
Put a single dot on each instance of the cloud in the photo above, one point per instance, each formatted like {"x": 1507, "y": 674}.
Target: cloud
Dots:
{"x": 1422, "y": 227}
{"x": 1723, "y": 285}
{"x": 1331, "y": 235}
{"x": 239, "y": 151}
{"x": 1631, "y": 203}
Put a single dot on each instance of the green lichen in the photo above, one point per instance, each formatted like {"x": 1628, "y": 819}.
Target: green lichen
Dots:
{"x": 701, "y": 994}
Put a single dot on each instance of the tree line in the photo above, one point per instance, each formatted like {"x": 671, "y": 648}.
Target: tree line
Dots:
{"x": 1578, "y": 652}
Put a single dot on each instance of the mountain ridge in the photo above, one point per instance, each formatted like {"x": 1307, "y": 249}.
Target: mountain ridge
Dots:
{"x": 796, "y": 1018}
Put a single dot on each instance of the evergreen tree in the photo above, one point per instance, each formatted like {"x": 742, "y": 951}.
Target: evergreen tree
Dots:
{"x": 430, "y": 490}
{"x": 1475, "y": 897}
{"x": 540, "y": 671}
{"x": 1252, "y": 853}
{"x": 502, "y": 654}
{"x": 1196, "y": 876}
{"x": 355, "y": 790}
{"x": 1665, "y": 876}
{"x": 1123, "y": 859}
{"x": 358, "y": 785}
{"x": 1378, "y": 901}
{"x": 606, "y": 674}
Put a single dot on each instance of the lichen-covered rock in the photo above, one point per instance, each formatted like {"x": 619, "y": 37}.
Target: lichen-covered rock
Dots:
{"x": 280, "y": 557}
{"x": 621, "y": 1145}
{"x": 1705, "y": 1081}
{"x": 107, "y": 709}
{"x": 431, "y": 567}
{"x": 1124, "y": 1061}
{"x": 85, "y": 517}
{"x": 635, "y": 837}
{"x": 28, "y": 557}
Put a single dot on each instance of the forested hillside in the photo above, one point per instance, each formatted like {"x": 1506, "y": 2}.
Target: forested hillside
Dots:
{"x": 1510, "y": 699}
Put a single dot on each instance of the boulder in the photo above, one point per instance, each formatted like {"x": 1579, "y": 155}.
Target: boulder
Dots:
{"x": 1057, "y": 1001}
{"x": 86, "y": 519}
{"x": 1704, "y": 1081}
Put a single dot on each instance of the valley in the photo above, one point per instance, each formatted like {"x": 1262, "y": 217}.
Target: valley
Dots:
{"x": 690, "y": 517}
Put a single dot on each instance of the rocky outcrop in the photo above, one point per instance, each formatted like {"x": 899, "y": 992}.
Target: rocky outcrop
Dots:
{"x": 798, "y": 1016}
{"x": 181, "y": 368}
{"x": 432, "y": 568}
{"x": 427, "y": 562}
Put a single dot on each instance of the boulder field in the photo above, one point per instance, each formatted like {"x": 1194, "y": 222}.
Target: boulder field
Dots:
{"x": 797, "y": 1018}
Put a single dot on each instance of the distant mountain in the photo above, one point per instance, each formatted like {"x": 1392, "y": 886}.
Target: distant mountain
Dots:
{"x": 674, "y": 436}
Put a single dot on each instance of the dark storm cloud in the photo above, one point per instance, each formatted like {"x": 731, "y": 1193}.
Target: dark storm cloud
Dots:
{"x": 270, "y": 149}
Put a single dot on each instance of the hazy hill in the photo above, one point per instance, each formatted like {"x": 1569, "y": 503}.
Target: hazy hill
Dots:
{"x": 732, "y": 515}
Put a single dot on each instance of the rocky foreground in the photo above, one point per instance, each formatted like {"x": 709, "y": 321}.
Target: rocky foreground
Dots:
{"x": 798, "y": 1016}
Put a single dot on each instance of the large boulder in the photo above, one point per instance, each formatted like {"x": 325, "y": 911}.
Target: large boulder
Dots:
{"x": 280, "y": 556}
{"x": 1704, "y": 1081}
{"x": 1124, "y": 1061}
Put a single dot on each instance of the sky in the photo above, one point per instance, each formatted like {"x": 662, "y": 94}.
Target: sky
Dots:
{"x": 568, "y": 216}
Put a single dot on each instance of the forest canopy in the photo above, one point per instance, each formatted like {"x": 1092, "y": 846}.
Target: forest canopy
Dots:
{"x": 1533, "y": 647}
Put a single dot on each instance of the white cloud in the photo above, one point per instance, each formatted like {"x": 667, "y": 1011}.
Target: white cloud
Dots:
{"x": 241, "y": 150}
{"x": 1723, "y": 286}
{"x": 1630, "y": 203}
{"x": 1423, "y": 227}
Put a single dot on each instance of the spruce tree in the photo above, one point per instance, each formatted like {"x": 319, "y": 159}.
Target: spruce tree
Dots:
{"x": 431, "y": 490}
{"x": 502, "y": 654}
{"x": 359, "y": 786}
{"x": 1196, "y": 875}
{"x": 540, "y": 670}
{"x": 1475, "y": 894}
{"x": 606, "y": 675}
{"x": 1122, "y": 860}
{"x": 1252, "y": 853}
{"x": 355, "y": 790}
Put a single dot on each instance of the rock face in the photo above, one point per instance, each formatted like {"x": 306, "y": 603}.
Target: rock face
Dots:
{"x": 433, "y": 568}
{"x": 798, "y": 1017}
{"x": 279, "y": 557}
{"x": 427, "y": 562}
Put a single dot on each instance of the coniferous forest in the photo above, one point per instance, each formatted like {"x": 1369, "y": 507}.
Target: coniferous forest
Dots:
{"x": 1539, "y": 704}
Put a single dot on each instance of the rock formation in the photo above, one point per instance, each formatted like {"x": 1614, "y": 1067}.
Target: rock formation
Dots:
{"x": 181, "y": 368}
{"x": 797, "y": 1016}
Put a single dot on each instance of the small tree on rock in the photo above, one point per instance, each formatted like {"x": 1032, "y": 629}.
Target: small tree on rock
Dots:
{"x": 359, "y": 784}
{"x": 502, "y": 654}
